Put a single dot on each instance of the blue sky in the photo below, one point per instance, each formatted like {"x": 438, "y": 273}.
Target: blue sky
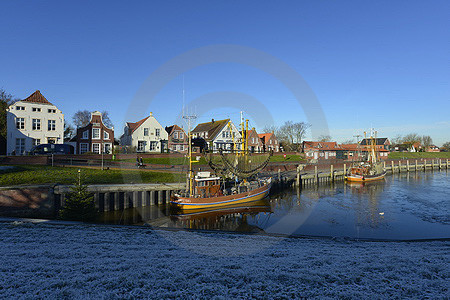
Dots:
{"x": 381, "y": 64}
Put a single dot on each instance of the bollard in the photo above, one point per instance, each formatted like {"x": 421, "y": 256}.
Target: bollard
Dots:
{"x": 399, "y": 166}
{"x": 407, "y": 165}
{"x": 316, "y": 175}
{"x": 392, "y": 167}
{"x": 106, "y": 202}
{"x": 416, "y": 165}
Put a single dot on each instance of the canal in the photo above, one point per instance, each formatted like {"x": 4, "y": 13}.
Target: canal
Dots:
{"x": 404, "y": 206}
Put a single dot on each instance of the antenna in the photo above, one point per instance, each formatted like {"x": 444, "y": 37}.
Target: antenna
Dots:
{"x": 183, "y": 92}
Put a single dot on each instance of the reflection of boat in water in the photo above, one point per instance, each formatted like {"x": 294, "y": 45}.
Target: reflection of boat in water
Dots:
{"x": 232, "y": 217}
{"x": 370, "y": 170}
{"x": 236, "y": 182}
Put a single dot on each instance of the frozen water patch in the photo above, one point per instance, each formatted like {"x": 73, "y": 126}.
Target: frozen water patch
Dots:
{"x": 85, "y": 261}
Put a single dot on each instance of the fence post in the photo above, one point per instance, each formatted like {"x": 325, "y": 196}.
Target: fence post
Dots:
{"x": 332, "y": 173}
{"x": 316, "y": 175}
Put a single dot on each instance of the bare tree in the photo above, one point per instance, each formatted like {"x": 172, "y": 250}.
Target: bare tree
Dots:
{"x": 397, "y": 140}
{"x": 291, "y": 134}
{"x": 410, "y": 139}
{"x": 427, "y": 141}
{"x": 271, "y": 128}
{"x": 348, "y": 142}
{"x": 82, "y": 117}
{"x": 69, "y": 131}
{"x": 6, "y": 99}
{"x": 325, "y": 138}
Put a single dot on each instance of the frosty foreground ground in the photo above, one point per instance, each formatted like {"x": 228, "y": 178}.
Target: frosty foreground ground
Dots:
{"x": 87, "y": 261}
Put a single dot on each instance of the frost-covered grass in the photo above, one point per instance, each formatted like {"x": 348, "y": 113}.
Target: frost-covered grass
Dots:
{"x": 68, "y": 175}
{"x": 88, "y": 261}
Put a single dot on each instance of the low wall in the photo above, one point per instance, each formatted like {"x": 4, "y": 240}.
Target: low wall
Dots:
{"x": 27, "y": 202}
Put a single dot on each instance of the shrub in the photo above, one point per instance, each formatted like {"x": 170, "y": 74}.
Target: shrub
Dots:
{"x": 79, "y": 205}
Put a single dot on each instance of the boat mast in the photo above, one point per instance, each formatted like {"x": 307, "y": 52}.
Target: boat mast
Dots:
{"x": 189, "y": 118}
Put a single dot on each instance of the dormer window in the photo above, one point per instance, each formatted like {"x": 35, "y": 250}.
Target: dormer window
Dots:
{"x": 175, "y": 135}
{"x": 182, "y": 135}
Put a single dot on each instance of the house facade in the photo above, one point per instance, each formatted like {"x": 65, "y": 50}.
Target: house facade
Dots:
{"x": 320, "y": 150}
{"x": 380, "y": 143}
{"x": 358, "y": 152}
{"x": 177, "y": 139}
{"x": 33, "y": 121}
{"x": 269, "y": 142}
{"x": 255, "y": 144}
{"x": 218, "y": 134}
{"x": 95, "y": 137}
{"x": 146, "y": 135}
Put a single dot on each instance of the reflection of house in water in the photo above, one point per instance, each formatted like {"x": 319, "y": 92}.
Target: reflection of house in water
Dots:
{"x": 367, "y": 210}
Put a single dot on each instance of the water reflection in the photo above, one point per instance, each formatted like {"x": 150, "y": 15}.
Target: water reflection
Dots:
{"x": 411, "y": 205}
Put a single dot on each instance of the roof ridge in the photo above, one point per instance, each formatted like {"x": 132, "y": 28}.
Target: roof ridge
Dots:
{"x": 37, "y": 97}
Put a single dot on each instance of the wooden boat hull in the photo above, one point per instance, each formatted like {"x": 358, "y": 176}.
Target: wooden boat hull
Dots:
{"x": 193, "y": 203}
{"x": 364, "y": 178}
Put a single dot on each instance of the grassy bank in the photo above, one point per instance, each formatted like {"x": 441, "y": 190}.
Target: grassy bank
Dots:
{"x": 176, "y": 160}
{"x": 60, "y": 175}
{"x": 406, "y": 155}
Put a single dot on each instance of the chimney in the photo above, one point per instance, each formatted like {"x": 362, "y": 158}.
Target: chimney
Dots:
{"x": 151, "y": 114}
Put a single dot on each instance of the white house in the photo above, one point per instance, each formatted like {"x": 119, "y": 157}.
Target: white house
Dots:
{"x": 147, "y": 135}
{"x": 220, "y": 134}
{"x": 31, "y": 122}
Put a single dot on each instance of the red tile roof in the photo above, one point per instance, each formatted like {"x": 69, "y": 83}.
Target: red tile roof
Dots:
{"x": 265, "y": 136}
{"x": 37, "y": 97}
{"x": 134, "y": 126}
{"x": 170, "y": 129}
{"x": 321, "y": 145}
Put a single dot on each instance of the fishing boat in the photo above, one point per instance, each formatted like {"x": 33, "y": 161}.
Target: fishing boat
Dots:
{"x": 234, "y": 178}
{"x": 370, "y": 170}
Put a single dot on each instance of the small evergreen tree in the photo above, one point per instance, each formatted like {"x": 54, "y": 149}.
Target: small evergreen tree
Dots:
{"x": 79, "y": 204}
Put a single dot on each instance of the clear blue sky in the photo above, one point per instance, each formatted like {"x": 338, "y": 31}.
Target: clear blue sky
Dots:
{"x": 383, "y": 64}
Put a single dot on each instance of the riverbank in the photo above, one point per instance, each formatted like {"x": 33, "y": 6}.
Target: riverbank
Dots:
{"x": 89, "y": 261}
{"x": 34, "y": 174}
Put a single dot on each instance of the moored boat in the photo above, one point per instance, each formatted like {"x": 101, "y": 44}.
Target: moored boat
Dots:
{"x": 370, "y": 170}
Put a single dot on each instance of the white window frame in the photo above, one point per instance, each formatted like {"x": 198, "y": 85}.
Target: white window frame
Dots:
{"x": 94, "y": 135}
{"x": 146, "y": 130}
{"x": 36, "y": 109}
{"x": 157, "y": 132}
{"x": 20, "y": 107}
{"x": 181, "y": 135}
{"x": 94, "y": 145}
{"x": 36, "y": 124}
{"x": 153, "y": 146}
{"x": 175, "y": 135}
{"x": 20, "y": 123}
{"x": 110, "y": 148}
{"x": 141, "y": 146}
{"x": 51, "y": 125}
{"x": 20, "y": 146}
{"x": 36, "y": 142}
{"x": 105, "y": 135}
{"x": 85, "y": 135}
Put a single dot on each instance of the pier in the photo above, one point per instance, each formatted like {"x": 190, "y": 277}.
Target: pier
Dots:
{"x": 314, "y": 176}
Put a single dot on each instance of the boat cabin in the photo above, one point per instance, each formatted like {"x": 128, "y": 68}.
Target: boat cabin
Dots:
{"x": 207, "y": 186}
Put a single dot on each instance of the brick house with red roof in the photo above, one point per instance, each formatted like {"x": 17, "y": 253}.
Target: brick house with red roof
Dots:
{"x": 95, "y": 137}
{"x": 254, "y": 141}
{"x": 359, "y": 152}
{"x": 177, "y": 139}
{"x": 320, "y": 150}
{"x": 269, "y": 142}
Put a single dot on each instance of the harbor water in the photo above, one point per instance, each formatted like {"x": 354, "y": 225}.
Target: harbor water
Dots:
{"x": 405, "y": 206}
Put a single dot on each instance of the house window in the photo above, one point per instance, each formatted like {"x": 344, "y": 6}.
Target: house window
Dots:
{"x": 145, "y": 131}
{"x": 270, "y": 142}
{"x": 83, "y": 148}
{"x": 105, "y": 135}
{"x": 175, "y": 135}
{"x": 96, "y": 148}
{"x": 152, "y": 146}
{"x": 20, "y": 107}
{"x": 20, "y": 123}
{"x": 95, "y": 133}
{"x": 107, "y": 148}
{"x": 36, "y": 142}
{"x": 182, "y": 148}
{"x": 20, "y": 146}
{"x": 51, "y": 125}
{"x": 86, "y": 135}
{"x": 51, "y": 111}
{"x": 36, "y": 124}
{"x": 141, "y": 146}
{"x": 253, "y": 140}
{"x": 157, "y": 131}
{"x": 182, "y": 135}
{"x": 224, "y": 134}
{"x": 36, "y": 109}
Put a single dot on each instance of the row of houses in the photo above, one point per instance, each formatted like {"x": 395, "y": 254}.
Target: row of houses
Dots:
{"x": 35, "y": 120}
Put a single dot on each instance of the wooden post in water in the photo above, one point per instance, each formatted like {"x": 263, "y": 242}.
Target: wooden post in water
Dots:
{"x": 392, "y": 167}
{"x": 106, "y": 202}
{"x": 332, "y": 173}
{"x": 97, "y": 200}
{"x": 399, "y": 166}
{"x": 447, "y": 163}
{"x": 316, "y": 175}
{"x": 345, "y": 169}
{"x": 160, "y": 197}
{"x": 298, "y": 181}
{"x": 279, "y": 176}
{"x": 407, "y": 165}
{"x": 424, "y": 164}
{"x": 416, "y": 165}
